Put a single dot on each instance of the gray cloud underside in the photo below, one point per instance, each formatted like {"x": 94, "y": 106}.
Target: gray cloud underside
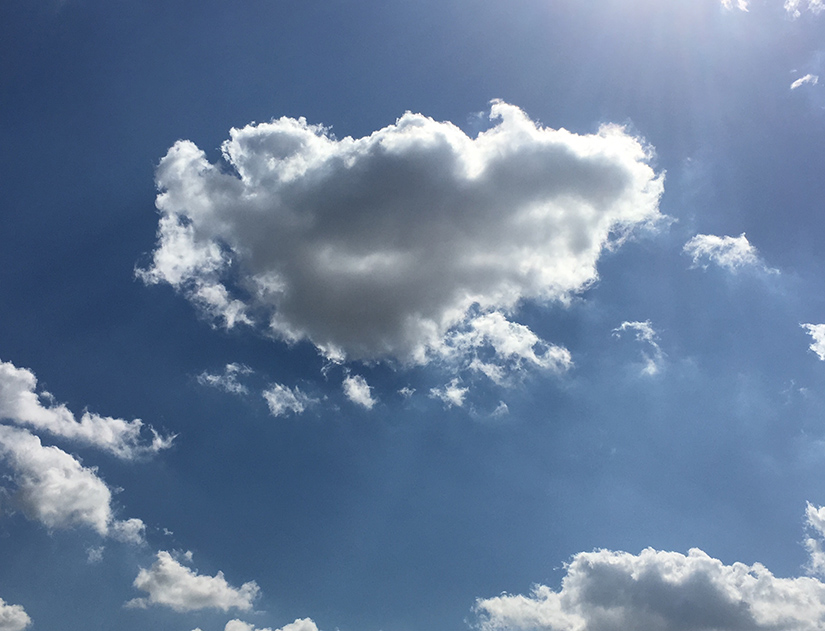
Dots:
{"x": 374, "y": 248}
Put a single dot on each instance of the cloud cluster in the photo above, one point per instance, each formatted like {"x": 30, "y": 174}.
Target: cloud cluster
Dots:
{"x": 174, "y": 585}
{"x": 283, "y": 400}
{"x": 742, "y": 5}
{"x": 301, "y": 624}
{"x": 661, "y": 591}
{"x": 646, "y": 334}
{"x": 20, "y": 404}
{"x": 731, "y": 253}
{"x": 795, "y": 7}
{"x": 54, "y": 488}
{"x": 14, "y": 617}
{"x": 374, "y": 248}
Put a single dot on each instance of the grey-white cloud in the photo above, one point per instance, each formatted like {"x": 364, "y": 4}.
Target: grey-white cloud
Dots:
{"x": 808, "y": 78}
{"x": 357, "y": 390}
{"x": 731, "y": 253}
{"x": 376, "y": 247}
{"x": 13, "y": 617}
{"x": 660, "y": 591}
{"x": 796, "y": 7}
{"x": 817, "y": 333}
{"x": 20, "y": 404}
{"x": 742, "y": 5}
{"x": 228, "y": 380}
{"x": 54, "y": 488}
{"x": 283, "y": 400}
{"x": 301, "y": 624}
{"x": 646, "y": 334}
{"x": 170, "y": 583}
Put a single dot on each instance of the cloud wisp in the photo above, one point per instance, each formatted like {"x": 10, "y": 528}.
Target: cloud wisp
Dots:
{"x": 795, "y": 7}
{"x": 283, "y": 400}
{"x": 808, "y": 78}
{"x": 20, "y": 404}
{"x": 357, "y": 390}
{"x": 646, "y": 334}
{"x": 227, "y": 380}
{"x": 169, "y": 583}
{"x": 374, "y": 248}
{"x": 730, "y": 253}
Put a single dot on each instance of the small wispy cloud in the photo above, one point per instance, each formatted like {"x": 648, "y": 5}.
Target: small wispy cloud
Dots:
{"x": 742, "y": 5}
{"x": 358, "y": 391}
{"x": 228, "y": 380}
{"x": 808, "y": 78}
{"x": 795, "y": 7}
{"x": 731, "y": 253}
{"x": 645, "y": 333}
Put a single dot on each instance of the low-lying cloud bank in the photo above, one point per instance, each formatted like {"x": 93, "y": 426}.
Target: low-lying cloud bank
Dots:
{"x": 375, "y": 248}
{"x": 667, "y": 591}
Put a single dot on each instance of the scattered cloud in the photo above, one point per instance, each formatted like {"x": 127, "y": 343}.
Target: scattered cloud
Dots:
{"x": 14, "y": 617}
{"x": 808, "y": 78}
{"x": 665, "y": 591}
{"x": 817, "y": 332}
{"x": 731, "y": 253}
{"x": 94, "y": 554}
{"x": 489, "y": 343}
{"x": 20, "y": 404}
{"x": 228, "y": 380}
{"x": 283, "y": 400}
{"x": 174, "y": 585}
{"x": 374, "y": 248}
{"x": 301, "y": 624}
{"x": 815, "y": 525}
{"x": 795, "y": 7}
{"x": 56, "y": 490}
{"x": 742, "y": 5}
{"x": 645, "y": 333}
{"x": 358, "y": 391}
{"x": 451, "y": 394}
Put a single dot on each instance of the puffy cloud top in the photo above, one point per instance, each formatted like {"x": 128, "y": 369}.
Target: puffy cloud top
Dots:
{"x": 174, "y": 585}
{"x": 13, "y": 617}
{"x": 661, "y": 591}
{"x": 376, "y": 247}
{"x": 731, "y": 253}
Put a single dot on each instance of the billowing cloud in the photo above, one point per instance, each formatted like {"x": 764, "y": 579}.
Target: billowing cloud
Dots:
{"x": 358, "y": 391}
{"x": 14, "y": 617}
{"x": 808, "y": 78}
{"x": 732, "y": 253}
{"x": 228, "y": 380}
{"x": 742, "y": 5}
{"x": 795, "y": 7}
{"x": 56, "y": 490}
{"x": 661, "y": 591}
{"x": 174, "y": 585}
{"x": 283, "y": 400}
{"x": 815, "y": 526}
{"x": 20, "y": 403}
{"x": 301, "y": 624}
{"x": 451, "y": 394}
{"x": 376, "y": 247}
{"x": 645, "y": 334}
{"x": 817, "y": 332}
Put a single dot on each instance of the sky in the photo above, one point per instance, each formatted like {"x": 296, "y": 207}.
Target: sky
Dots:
{"x": 412, "y": 316}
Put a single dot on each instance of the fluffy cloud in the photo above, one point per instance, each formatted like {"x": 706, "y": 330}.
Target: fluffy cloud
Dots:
{"x": 795, "y": 7}
{"x": 732, "y": 253}
{"x": 808, "y": 78}
{"x": 301, "y": 624}
{"x": 661, "y": 591}
{"x": 56, "y": 490}
{"x": 376, "y": 247}
{"x": 19, "y": 403}
{"x": 451, "y": 394}
{"x": 228, "y": 380}
{"x": 817, "y": 332}
{"x": 358, "y": 391}
{"x": 282, "y": 400}
{"x": 647, "y": 335}
{"x": 14, "y": 617}
{"x": 174, "y": 585}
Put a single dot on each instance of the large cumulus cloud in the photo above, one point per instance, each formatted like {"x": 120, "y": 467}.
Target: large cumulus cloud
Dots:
{"x": 376, "y": 247}
{"x": 661, "y": 591}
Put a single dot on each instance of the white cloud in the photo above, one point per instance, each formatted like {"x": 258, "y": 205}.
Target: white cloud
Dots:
{"x": 498, "y": 348}
{"x": 56, "y": 490}
{"x": 808, "y": 78}
{"x": 795, "y": 7}
{"x": 815, "y": 525}
{"x": 742, "y": 5}
{"x": 301, "y": 624}
{"x": 732, "y": 253}
{"x": 20, "y": 403}
{"x": 661, "y": 591}
{"x": 282, "y": 400}
{"x": 171, "y": 584}
{"x": 451, "y": 394}
{"x": 13, "y": 617}
{"x": 375, "y": 247}
{"x": 228, "y": 380}
{"x": 645, "y": 333}
{"x": 817, "y": 332}
{"x": 358, "y": 391}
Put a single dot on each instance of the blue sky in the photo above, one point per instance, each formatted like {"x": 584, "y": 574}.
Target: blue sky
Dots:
{"x": 392, "y": 316}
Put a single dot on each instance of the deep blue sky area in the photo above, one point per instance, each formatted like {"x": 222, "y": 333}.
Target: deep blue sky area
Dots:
{"x": 651, "y": 385}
